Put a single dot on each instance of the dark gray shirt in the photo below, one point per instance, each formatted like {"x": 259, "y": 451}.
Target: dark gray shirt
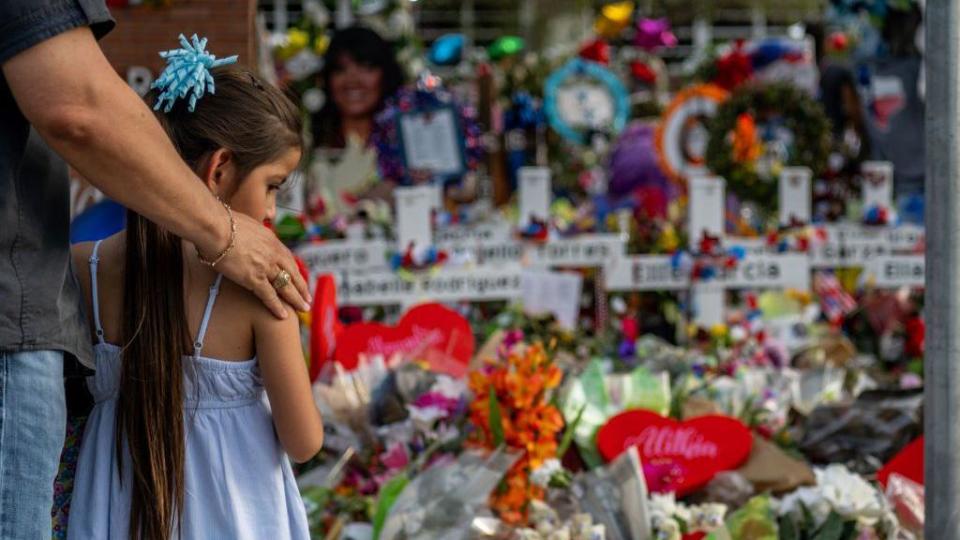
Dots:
{"x": 39, "y": 299}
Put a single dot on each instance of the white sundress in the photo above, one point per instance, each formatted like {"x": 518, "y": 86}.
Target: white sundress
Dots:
{"x": 238, "y": 480}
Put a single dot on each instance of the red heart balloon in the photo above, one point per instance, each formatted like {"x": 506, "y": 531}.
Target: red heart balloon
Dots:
{"x": 325, "y": 325}
{"x": 428, "y": 332}
{"x": 677, "y": 456}
{"x": 907, "y": 463}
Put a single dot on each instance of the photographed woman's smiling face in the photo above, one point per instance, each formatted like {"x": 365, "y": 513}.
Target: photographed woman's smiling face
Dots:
{"x": 355, "y": 88}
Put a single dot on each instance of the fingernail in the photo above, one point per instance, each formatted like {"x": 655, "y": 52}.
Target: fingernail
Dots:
{"x": 305, "y": 307}
{"x": 309, "y": 298}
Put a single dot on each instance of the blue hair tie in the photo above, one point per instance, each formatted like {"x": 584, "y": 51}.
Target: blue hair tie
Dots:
{"x": 187, "y": 73}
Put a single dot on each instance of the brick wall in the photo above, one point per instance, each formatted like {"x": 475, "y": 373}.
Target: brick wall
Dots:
{"x": 143, "y": 31}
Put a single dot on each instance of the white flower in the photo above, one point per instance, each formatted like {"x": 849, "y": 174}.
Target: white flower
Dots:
{"x": 423, "y": 418}
{"x": 707, "y": 517}
{"x": 837, "y": 490}
{"x": 810, "y": 497}
{"x": 449, "y": 387}
{"x": 850, "y": 495}
{"x": 542, "y": 475}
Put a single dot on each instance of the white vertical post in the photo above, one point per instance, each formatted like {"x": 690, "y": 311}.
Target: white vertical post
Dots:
{"x": 877, "y": 184}
{"x": 533, "y": 184}
{"x": 706, "y": 209}
{"x": 795, "y": 195}
{"x": 415, "y": 207}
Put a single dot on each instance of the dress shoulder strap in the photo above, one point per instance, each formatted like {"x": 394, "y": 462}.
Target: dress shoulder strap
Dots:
{"x": 211, "y": 300}
{"x": 94, "y": 262}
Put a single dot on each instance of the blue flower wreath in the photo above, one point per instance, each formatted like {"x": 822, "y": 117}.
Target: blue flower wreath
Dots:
{"x": 386, "y": 137}
{"x": 580, "y": 68}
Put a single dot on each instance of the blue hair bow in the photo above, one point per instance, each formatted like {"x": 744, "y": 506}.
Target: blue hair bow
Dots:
{"x": 187, "y": 73}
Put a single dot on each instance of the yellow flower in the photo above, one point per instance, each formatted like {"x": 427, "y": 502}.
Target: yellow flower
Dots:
{"x": 320, "y": 44}
{"x": 297, "y": 40}
{"x": 718, "y": 330}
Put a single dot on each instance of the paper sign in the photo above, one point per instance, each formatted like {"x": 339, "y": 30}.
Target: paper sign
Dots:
{"x": 387, "y": 288}
{"x": 795, "y": 195}
{"x": 415, "y": 207}
{"x": 340, "y": 255}
{"x": 897, "y": 271}
{"x": 557, "y": 293}
{"x": 535, "y": 194}
{"x": 430, "y": 142}
{"x": 705, "y": 213}
{"x": 877, "y": 184}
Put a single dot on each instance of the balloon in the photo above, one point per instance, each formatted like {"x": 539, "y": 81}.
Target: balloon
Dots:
{"x": 642, "y": 72}
{"x": 597, "y": 51}
{"x": 613, "y": 19}
{"x": 447, "y": 50}
{"x": 654, "y": 34}
{"x": 97, "y": 222}
{"x": 633, "y": 162}
{"x": 505, "y": 46}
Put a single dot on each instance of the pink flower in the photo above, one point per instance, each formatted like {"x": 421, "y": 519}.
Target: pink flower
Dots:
{"x": 395, "y": 458}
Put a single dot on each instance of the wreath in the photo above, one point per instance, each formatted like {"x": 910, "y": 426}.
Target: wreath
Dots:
{"x": 760, "y": 130}
{"x": 386, "y": 133}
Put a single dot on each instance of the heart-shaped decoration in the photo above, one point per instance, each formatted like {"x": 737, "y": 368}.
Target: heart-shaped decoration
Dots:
{"x": 907, "y": 463}
{"x": 678, "y": 457}
{"x": 325, "y": 324}
{"x": 430, "y": 332}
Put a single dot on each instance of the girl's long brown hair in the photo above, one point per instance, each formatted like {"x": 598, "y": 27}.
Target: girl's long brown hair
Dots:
{"x": 256, "y": 123}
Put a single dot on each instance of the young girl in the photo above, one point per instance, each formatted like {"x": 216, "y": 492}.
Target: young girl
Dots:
{"x": 181, "y": 442}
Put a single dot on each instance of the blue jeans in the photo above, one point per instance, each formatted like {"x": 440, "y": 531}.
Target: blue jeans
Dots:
{"x": 32, "y": 423}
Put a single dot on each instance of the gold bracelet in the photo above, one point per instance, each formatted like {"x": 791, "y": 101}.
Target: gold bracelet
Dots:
{"x": 233, "y": 240}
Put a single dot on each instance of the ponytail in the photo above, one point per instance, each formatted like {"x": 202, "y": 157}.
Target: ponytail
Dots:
{"x": 150, "y": 400}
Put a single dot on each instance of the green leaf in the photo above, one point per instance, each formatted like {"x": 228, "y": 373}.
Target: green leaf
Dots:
{"x": 570, "y": 432}
{"x": 832, "y": 529}
{"x": 388, "y": 495}
{"x": 788, "y": 529}
{"x": 496, "y": 420}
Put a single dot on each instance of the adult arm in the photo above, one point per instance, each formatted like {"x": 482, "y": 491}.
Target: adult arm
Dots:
{"x": 72, "y": 96}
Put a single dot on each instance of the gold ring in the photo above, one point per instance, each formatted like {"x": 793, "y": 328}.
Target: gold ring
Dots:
{"x": 282, "y": 280}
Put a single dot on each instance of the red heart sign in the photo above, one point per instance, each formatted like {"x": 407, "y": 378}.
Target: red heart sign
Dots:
{"x": 428, "y": 332}
{"x": 677, "y": 456}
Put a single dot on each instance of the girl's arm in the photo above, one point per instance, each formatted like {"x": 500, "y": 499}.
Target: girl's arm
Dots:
{"x": 287, "y": 382}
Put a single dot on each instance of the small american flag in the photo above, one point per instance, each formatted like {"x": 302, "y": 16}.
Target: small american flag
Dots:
{"x": 834, "y": 301}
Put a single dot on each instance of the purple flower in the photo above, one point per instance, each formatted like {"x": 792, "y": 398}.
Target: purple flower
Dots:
{"x": 438, "y": 401}
{"x": 654, "y": 34}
